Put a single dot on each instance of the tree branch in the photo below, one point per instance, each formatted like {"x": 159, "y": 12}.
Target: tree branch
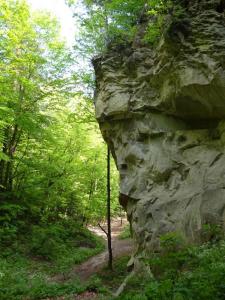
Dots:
{"x": 103, "y": 229}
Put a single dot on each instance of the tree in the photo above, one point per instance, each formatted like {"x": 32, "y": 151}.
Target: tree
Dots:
{"x": 52, "y": 157}
{"x": 109, "y": 233}
{"x": 32, "y": 57}
{"x": 105, "y": 22}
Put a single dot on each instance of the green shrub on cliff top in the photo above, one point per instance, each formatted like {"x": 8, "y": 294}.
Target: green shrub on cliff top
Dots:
{"x": 108, "y": 23}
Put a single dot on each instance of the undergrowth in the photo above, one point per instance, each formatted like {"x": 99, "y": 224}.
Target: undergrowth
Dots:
{"x": 125, "y": 234}
{"x": 181, "y": 272}
{"x": 26, "y": 267}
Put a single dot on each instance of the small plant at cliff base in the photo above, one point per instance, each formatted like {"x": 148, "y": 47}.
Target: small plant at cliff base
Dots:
{"x": 212, "y": 233}
{"x": 171, "y": 242}
{"x": 190, "y": 273}
{"x": 172, "y": 255}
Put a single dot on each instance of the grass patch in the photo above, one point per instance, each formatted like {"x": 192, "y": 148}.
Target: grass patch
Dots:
{"x": 181, "y": 272}
{"x": 125, "y": 234}
{"x": 113, "y": 279}
{"x": 28, "y": 264}
{"x": 18, "y": 281}
{"x": 106, "y": 282}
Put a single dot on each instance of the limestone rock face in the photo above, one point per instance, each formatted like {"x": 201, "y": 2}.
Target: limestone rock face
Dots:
{"x": 162, "y": 112}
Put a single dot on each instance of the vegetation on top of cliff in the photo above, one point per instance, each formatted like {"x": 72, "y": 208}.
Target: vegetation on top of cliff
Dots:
{"x": 105, "y": 24}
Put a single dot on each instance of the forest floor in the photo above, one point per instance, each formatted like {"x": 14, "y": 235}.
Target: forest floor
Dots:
{"x": 76, "y": 270}
{"x": 80, "y": 271}
{"x": 97, "y": 265}
{"x": 120, "y": 247}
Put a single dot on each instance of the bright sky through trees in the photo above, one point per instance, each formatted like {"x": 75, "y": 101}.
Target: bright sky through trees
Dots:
{"x": 63, "y": 14}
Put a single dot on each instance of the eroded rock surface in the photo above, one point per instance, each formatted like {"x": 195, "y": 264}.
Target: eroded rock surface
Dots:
{"x": 162, "y": 112}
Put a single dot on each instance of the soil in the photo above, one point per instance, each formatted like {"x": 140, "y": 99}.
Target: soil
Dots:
{"x": 83, "y": 296}
{"x": 119, "y": 248}
{"x": 96, "y": 263}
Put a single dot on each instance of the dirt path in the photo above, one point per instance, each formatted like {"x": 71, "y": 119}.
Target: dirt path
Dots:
{"x": 120, "y": 247}
{"x": 94, "y": 264}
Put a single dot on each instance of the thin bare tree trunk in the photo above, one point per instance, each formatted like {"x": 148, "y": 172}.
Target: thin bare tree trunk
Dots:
{"x": 8, "y": 180}
{"x": 3, "y": 162}
{"x": 109, "y": 235}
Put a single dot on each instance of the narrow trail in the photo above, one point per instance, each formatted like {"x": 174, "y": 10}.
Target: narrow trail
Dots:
{"x": 95, "y": 264}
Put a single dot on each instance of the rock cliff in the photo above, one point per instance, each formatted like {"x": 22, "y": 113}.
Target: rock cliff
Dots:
{"x": 162, "y": 111}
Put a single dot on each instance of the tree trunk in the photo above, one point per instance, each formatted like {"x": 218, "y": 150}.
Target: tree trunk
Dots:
{"x": 3, "y": 162}
{"x": 8, "y": 180}
{"x": 109, "y": 236}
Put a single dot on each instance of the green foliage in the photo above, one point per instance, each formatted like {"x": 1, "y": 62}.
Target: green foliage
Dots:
{"x": 171, "y": 241}
{"x": 212, "y": 233}
{"x": 153, "y": 32}
{"x": 32, "y": 57}
{"x": 125, "y": 234}
{"x": 106, "y": 22}
{"x": 15, "y": 274}
{"x": 46, "y": 252}
{"x": 51, "y": 154}
{"x": 112, "y": 279}
{"x": 165, "y": 16}
{"x": 52, "y": 159}
{"x": 66, "y": 244}
{"x": 187, "y": 273}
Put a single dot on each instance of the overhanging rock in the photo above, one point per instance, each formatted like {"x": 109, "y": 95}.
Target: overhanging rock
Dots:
{"x": 162, "y": 112}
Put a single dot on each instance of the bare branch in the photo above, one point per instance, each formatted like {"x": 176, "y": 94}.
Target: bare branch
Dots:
{"x": 103, "y": 229}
